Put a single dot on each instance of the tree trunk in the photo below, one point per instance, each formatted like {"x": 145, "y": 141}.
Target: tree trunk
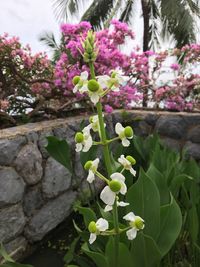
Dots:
{"x": 146, "y": 15}
{"x": 146, "y": 39}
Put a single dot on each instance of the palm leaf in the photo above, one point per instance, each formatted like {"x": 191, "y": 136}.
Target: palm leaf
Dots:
{"x": 178, "y": 20}
{"x": 98, "y": 12}
{"x": 49, "y": 40}
{"x": 126, "y": 15}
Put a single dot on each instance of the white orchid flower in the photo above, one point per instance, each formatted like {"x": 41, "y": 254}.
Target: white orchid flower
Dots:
{"x": 127, "y": 163}
{"x": 117, "y": 79}
{"x": 95, "y": 228}
{"x": 119, "y": 204}
{"x": 94, "y": 91}
{"x": 103, "y": 80}
{"x": 84, "y": 140}
{"x": 91, "y": 167}
{"x": 136, "y": 223}
{"x": 124, "y": 133}
{"x": 80, "y": 83}
{"x": 116, "y": 185}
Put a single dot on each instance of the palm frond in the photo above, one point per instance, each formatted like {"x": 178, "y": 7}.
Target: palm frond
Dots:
{"x": 49, "y": 40}
{"x": 194, "y": 6}
{"x": 113, "y": 13}
{"x": 154, "y": 23}
{"x": 178, "y": 20}
{"x": 126, "y": 15}
{"x": 64, "y": 8}
{"x": 98, "y": 12}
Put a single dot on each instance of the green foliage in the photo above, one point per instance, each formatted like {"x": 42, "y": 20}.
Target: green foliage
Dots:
{"x": 60, "y": 151}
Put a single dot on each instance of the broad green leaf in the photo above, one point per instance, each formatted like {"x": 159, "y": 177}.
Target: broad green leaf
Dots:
{"x": 88, "y": 215}
{"x": 144, "y": 200}
{"x": 170, "y": 226}
{"x": 60, "y": 151}
{"x": 193, "y": 223}
{"x": 98, "y": 258}
{"x": 70, "y": 253}
{"x": 177, "y": 181}
{"x": 109, "y": 251}
{"x": 145, "y": 252}
{"x": 158, "y": 178}
{"x": 125, "y": 257}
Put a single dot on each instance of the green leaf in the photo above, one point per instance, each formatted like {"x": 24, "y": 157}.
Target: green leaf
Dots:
{"x": 177, "y": 181}
{"x": 145, "y": 252}
{"x": 70, "y": 253}
{"x": 60, "y": 151}
{"x": 88, "y": 215}
{"x": 144, "y": 200}
{"x": 193, "y": 223}
{"x": 170, "y": 226}
{"x": 158, "y": 178}
{"x": 98, "y": 258}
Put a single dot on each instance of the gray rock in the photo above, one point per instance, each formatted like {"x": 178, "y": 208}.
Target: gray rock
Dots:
{"x": 33, "y": 200}
{"x": 193, "y": 119}
{"x": 151, "y": 118}
{"x": 171, "y": 126}
{"x": 142, "y": 129}
{"x": 47, "y": 218}
{"x": 192, "y": 150}
{"x": 11, "y": 186}
{"x": 32, "y": 137}
{"x": 57, "y": 179}
{"x": 65, "y": 133}
{"x": 171, "y": 143}
{"x": 16, "y": 248}
{"x": 43, "y": 142}
{"x": 194, "y": 134}
{"x": 12, "y": 222}
{"x": 29, "y": 164}
{"x": 9, "y": 149}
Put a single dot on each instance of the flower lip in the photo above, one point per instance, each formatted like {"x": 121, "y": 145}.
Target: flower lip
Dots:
{"x": 79, "y": 137}
{"x": 93, "y": 85}
{"x": 115, "y": 186}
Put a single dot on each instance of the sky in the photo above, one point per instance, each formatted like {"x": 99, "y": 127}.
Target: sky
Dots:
{"x": 28, "y": 19}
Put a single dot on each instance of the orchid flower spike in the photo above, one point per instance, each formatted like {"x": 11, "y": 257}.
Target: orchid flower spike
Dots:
{"x": 136, "y": 223}
{"x": 127, "y": 163}
{"x": 91, "y": 166}
{"x": 124, "y": 133}
{"x": 115, "y": 186}
{"x": 80, "y": 83}
{"x": 83, "y": 140}
{"x": 95, "y": 228}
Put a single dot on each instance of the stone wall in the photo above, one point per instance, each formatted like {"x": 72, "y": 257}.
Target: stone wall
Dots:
{"x": 37, "y": 193}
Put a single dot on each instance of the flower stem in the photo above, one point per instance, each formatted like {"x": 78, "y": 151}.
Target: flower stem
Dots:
{"x": 107, "y": 161}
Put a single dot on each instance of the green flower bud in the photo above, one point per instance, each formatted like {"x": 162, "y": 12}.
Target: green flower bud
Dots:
{"x": 91, "y": 119}
{"x": 92, "y": 227}
{"x": 76, "y": 80}
{"x": 79, "y": 137}
{"x": 113, "y": 75}
{"x": 115, "y": 185}
{"x": 93, "y": 85}
{"x": 139, "y": 224}
{"x": 131, "y": 160}
{"x": 87, "y": 165}
{"x": 128, "y": 131}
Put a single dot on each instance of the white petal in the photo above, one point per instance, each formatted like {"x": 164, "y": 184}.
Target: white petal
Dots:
{"x": 125, "y": 142}
{"x": 88, "y": 144}
{"x": 95, "y": 163}
{"x": 79, "y": 147}
{"x": 122, "y": 160}
{"x": 122, "y": 204}
{"x": 102, "y": 225}
{"x": 131, "y": 234}
{"x": 119, "y": 128}
{"x": 123, "y": 189}
{"x": 108, "y": 208}
{"x": 84, "y": 75}
{"x": 132, "y": 171}
{"x": 91, "y": 177}
{"x": 83, "y": 89}
{"x": 107, "y": 196}
{"x": 93, "y": 237}
{"x": 86, "y": 130}
{"x": 129, "y": 217}
{"x": 75, "y": 89}
{"x": 118, "y": 176}
{"x": 94, "y": 98}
